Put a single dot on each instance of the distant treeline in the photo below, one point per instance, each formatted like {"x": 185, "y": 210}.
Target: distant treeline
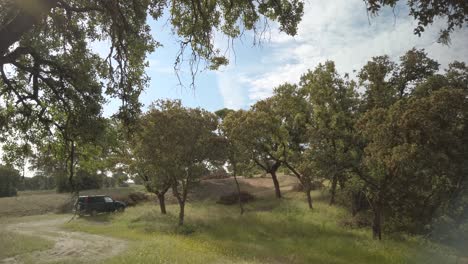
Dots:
{"x": 11, "y": 181}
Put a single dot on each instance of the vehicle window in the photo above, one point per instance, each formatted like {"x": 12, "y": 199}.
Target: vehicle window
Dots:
{"x": 108, "y": 200}
{"x": 96, "y": 199}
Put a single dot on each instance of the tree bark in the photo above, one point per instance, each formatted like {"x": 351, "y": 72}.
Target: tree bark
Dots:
{"x": 239, "y": 194}
{"x": 72, "y": 168}
{"x": 276, "y": 184}
{"x": 181, "y": 213}
{"x": 309, "y": 197}
{"x": 162, "y": 203}
{"x": 333, "y": 189}
{"x": 377, "y": 222}
{"x": 355, "y": 199}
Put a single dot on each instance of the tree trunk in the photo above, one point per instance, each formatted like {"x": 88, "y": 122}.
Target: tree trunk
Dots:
{"x": 72, "y": 168}
{"x": 181, "y": 213}
{"x": 377, "y": 223}
{"x": 162, "y": 203}
{"x": 354, "y": 203}
{"x": 333, "y": 189}
{"x": 276, "y": 184}
{"x": 309, "y": 197}
{"x": 239, "y": 194}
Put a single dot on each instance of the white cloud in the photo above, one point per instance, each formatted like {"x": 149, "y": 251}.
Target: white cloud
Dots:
{"x": 339, "y": 30}
{"x": 156, "y": 66}
{"x": 230, "y": 86}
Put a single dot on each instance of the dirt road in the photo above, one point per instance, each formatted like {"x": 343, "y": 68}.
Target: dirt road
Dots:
{"x": 70, "y": 247}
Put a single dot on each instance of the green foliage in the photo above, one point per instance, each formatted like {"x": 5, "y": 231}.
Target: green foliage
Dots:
{"x": 426, "y": 12}
{"x": 397, "y": 159}
{"x": 331, "y": 143}
{"x": 174, "y": 147}
{"x": 54, "y": 82}
{"x": 398, "y": 150}
{"x": 9, "y": 181}
{"x": 54, "y": 68}
{"x": 256, "y": 137}
{"x": 37, "y": 182}
{"x": 414, "y": 156}
{"x": 92, "y": 156}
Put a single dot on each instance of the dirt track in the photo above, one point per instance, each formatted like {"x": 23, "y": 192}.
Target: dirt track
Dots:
{"x": 70, "y": 247}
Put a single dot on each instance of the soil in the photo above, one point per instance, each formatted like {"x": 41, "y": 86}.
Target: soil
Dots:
{"x": 70, "y": 247}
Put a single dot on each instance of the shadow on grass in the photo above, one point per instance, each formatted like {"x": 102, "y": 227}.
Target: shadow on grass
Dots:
{"x": 212, "y": 189}
{"x": 100, "y": 218}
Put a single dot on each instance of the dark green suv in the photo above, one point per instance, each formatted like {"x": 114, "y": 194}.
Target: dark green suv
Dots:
{"x": 94, "y": 204}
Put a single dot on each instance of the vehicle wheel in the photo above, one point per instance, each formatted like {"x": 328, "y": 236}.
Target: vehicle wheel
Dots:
{"x": 93, "y": 213}
{"x": 121, "y": 209}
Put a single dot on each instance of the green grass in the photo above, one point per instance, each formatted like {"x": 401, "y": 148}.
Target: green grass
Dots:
{"x": 271, "y": 231}
{"x": 12, "y": 244}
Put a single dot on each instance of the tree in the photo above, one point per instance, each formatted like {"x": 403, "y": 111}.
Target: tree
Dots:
{"x": 83, "y": 149}
{"x": 333, "y": 102}
{"x": 418, "y": 113}
{"x": 151, "y": 171}
{"x": 413, "y": 69}
{"x": 290, "y": 107}
{"x": 152, "y": 159}
{"x": 375, "y": 78}
{"x": 400, "y": 175}
{"x": 37, "y": 182}
{"x": 9, "y": 181}
{"x": 425, "y": 12}
{"x": 258, "y": 132}
{"x": 46, "y": 46}
{"x": 51, "y": 78}
{"x": 174, "y": 147}
{"x": 235, "y": 153}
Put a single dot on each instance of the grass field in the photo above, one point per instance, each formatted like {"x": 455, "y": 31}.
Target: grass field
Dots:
{"x": 42, "y": 202}
{"x": 12, "y": 244}
{"x": 271, "y": 231}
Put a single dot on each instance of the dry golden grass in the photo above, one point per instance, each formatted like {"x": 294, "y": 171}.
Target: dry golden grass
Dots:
{"x": 42, "y": 202}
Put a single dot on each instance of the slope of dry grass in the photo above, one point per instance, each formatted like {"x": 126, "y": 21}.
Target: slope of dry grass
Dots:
{"x": 42, "y": 202}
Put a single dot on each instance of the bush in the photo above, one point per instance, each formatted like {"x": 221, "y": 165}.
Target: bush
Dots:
{"x": 9, "y": 181}
{"x": 233, "y": 198}
{"x": 358, "y": 221}
{"x": 124, "y": 184}
{"x": 83, "y": 180}
{"x": 316, "y": 185}
{"x": 132, "y": 199}
{"x": 216, "y": 174}
{"x": 109, "y": 182}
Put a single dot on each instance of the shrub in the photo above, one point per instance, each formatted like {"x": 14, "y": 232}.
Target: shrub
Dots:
{"x": 316, "y": 185}
{"x": 9, "y": 181}
{"x": 124, "y": 184}
{"x": 233, "y": 198}
{"x": 358, "y": 221}
{"x": 216, "y": 174}
{"x": 132, "y": 199}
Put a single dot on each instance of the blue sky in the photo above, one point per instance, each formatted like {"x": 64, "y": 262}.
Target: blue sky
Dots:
{"x": 338, "y": 30}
